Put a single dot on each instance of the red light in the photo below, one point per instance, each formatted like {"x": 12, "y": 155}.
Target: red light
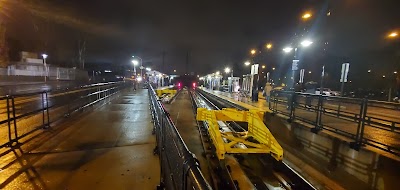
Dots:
{"x": 179, "y": 84}
{"x": 194, "y": 85}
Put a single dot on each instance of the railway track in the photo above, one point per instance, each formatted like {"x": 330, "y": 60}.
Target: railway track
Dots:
{"x": 242, "y": 171}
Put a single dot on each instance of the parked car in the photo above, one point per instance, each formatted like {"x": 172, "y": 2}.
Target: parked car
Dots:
{"x": 327, "y": 92}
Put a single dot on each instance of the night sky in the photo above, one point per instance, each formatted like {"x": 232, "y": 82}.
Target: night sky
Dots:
{"x": 216, "y": 33}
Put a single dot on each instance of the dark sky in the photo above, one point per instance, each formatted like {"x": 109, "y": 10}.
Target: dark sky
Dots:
{"x": 215, "y": 32}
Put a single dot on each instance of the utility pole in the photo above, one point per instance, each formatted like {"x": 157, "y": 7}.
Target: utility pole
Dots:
{"x": 163, "y": 62}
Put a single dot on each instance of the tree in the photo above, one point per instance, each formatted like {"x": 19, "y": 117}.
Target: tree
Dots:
{"x": 3, "y": 46}
{"x": 81, "y": 51}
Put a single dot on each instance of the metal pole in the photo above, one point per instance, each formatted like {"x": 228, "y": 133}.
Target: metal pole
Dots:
{"x": 231, "y": 81}
{"x": 341, "y": 94}
{"x": 322, "y": 80}
{"x": 293, "y": 71}
{"x": 45, "y": 70}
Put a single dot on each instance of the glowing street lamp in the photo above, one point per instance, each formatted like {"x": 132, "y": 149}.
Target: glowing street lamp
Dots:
{"x": 227, "y": 70}
{"x": 45, "y": 66}
{"x": 269, "y": 46}
{"x": 135, "y": 63}
{"x": 253, "y": 52}
{"x": 141, "y": 64}
{"x": 217, "y": 73}
{"x": 247, "y": 63}
{"x": 263, "y": 66}
{"x": 148, "y": 69}
{"x": 306, "y": 16}
{"x": 306, "y": 43}
{"x": 287, "y": 49}
{"x": 393, "y": 35}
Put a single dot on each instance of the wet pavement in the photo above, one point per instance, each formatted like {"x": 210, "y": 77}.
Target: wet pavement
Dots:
{"x": 110, "y": 147}
{"x": 11, "y": 88}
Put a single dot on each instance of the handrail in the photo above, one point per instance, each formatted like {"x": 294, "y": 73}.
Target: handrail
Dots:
{"x": 40, "y": 109}
{"x": 361, "y": 116}
{"x": 179, "y": 167}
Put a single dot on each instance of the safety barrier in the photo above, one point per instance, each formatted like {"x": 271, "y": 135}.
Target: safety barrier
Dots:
{"x": 23, "y": 114}
{"x": 179, "y": 167}
{"x": 361, "y": 121}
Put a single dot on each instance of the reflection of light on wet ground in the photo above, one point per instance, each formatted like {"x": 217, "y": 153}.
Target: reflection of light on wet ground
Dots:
{"x": 29, "y": 88}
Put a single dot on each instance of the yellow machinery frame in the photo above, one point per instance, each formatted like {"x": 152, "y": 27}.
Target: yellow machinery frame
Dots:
{"x": 225, "y": 142}
{"x": 160, "y": 92}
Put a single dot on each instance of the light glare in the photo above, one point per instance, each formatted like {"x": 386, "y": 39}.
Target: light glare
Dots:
{"x": 306, "y": 43}
{"x": 287, "y": 49}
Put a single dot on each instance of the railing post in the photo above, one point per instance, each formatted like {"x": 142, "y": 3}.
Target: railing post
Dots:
{"x": 9, "y": 119}
{"x": 365, "y": 108}
{"x": 43, "y": 110}
{"x": 47, "y": 110}
{"x": 318, "y": 121}
{"x": 291, "y": 105}
{"x": 14, "y": 119}
{"x": 360, "y": 128}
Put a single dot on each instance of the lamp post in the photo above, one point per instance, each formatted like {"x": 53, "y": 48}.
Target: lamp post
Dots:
{"x": 45, "y": 66}
{"x": 304, "y": 43}
{"x": 394, "y": 36}
{"x": 230, "y": 82}
{"x": 135, "y": 63}
{"x": 141, "y": 64}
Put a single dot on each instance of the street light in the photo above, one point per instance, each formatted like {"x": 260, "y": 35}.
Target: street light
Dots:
{"x": 263, "y": 66}
{"x": 135, "y": 63}
{"x": 253, "y": 52}
{"x": 148, "y": 69}
{"x": 269, "y": 46}
{"x": 306, "y": 43}
{"x": 45, "y": 66}
{"x": 141, "y": 64}
{"x": 287, "y": 49}
{"x": 217, "y": 73}
{"x": 227, "y": 70}
{"x": 306, "y": 16}
{"x": 393, "y": 35}
{"x": 247, "y": 63}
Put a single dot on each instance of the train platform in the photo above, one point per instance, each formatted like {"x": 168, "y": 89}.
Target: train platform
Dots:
{"x": 109, "y": 147}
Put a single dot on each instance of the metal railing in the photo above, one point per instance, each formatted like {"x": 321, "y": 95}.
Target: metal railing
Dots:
{"x": 22, "y": 115}
{"x": 179, "y": 167}
{"x": 361, "y": 121}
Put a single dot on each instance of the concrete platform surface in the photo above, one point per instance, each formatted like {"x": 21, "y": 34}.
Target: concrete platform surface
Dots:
{"x": 110, "y": 147}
